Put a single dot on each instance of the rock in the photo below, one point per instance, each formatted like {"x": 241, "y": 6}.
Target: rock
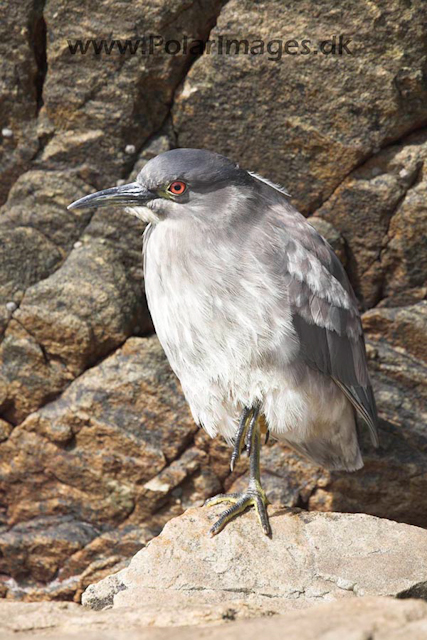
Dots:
{"x": 102, "y": 596}
{"x": 38, "y": 545}
{"x": 403, "y": 327}
{"x": 380, "y": 210}
{"x": 108, "y": 454}
{"x": 26, "y": 256}
{"x": 376, "y": 618}
{"x": 115, "y": 100}
{"x": 38, "y": 201}
{"x": 22, "y": 36}
{"x": 311, "y": 557}
{"x": 307, "y": 120}
{"x": 91, "y": 301}
{"x": 5, "y": 430}
{"x": 37, "y": 232}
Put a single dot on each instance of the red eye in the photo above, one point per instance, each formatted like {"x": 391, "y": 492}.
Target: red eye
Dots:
{"x": 177, "y": 187}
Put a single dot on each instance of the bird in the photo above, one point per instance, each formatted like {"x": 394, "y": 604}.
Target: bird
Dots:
{"x": 254, "y": 311}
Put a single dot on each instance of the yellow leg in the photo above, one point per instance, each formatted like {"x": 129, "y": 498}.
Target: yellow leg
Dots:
{"x": 244, "y": 425}
{"x": 249, "y": 432}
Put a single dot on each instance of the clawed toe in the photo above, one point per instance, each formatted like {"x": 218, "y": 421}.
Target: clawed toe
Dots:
{"x": 222, "y": 497}
{"x": 241, "y": 502}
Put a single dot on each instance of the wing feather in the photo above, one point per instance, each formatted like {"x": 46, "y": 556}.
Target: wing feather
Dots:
{"x": 324, "y": 308}
{"x": 270, "y": 183}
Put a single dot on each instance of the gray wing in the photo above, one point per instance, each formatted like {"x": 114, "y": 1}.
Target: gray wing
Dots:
{"x": 324, "y": 308}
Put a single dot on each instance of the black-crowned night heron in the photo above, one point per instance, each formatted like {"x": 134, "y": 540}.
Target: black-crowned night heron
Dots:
{"x": 254, "y": 311}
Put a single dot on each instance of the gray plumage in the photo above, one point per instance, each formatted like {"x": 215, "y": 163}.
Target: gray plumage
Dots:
{"x": 251, "y": 305}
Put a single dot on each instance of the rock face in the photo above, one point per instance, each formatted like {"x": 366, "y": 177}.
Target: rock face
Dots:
{"x": 376, "y": 618}
{"x": 381, "y": 210}
{"x": 353, "y": 103}
{"x": 97, "y": 447}
{"x": 104, "y": 458}
{"x": 311, "y": 557}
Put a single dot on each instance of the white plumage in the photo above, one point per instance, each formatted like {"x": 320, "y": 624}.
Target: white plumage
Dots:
{"x": 226, "y": 327}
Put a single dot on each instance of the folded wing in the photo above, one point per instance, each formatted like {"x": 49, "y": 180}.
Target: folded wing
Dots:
{"x": 324, "y": 308}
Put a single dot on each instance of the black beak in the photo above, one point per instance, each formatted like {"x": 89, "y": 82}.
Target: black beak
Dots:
{"x": 125, "y": 195}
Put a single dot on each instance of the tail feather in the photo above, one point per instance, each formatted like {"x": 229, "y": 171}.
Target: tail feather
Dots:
{"x": 333, "y": 445}
{"x": 323, "y": 452}
{"x": 362, "y": 398}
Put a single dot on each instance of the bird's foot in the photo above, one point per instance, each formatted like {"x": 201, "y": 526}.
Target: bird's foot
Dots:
{"x": 253, "y": 496}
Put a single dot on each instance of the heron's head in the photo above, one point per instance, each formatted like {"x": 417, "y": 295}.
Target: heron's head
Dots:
{"x": 177, "y": 184}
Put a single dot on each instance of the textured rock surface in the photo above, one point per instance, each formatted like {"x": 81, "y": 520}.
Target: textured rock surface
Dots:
{"x": 112, "y": 100}
{"x": 374, "y": 618}
{"x": 23, "y": 68}
{"x": 381, "y": 210}
{"x": 310, "y": 557}
{"x": 97, "y": 448}
{"x": 352, "y": 104}
{"x": 106, "y": 454}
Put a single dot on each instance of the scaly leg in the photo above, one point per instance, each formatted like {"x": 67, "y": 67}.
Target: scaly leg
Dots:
{"x": 242, "y": 431}
{"x": 248, "y": 433}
